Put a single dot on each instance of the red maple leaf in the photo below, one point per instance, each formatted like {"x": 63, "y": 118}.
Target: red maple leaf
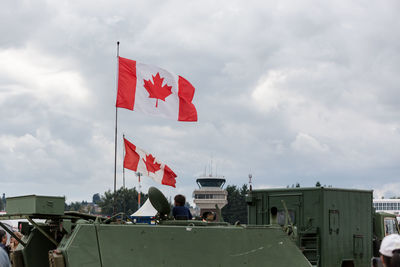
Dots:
{"x": 151, "y": 164}
{"x": 156, "y": 90}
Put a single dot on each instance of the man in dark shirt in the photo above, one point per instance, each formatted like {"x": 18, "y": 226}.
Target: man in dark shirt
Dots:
{"x": 3, "y": 240}
{"x": 4, "y": 260}
{"x": 180, "y": 212}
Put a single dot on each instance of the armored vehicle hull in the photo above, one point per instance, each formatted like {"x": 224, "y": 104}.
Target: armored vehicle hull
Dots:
{"x": 72, "y": 239}
{"x": 140, "y": 245}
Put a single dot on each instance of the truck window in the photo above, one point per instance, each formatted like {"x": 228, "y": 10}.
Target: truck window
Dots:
{"x": 390, "y": 226}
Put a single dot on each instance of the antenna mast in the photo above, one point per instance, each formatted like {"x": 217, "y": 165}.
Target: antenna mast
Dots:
{"x": 250, "y": 186}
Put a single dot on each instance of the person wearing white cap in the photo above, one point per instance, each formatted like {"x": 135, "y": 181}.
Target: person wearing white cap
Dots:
{"x": 390, "y": 251}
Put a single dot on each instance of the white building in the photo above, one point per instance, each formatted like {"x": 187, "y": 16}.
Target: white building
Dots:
{"x": 210, "y": 192}
{"x": 387, "y": 205}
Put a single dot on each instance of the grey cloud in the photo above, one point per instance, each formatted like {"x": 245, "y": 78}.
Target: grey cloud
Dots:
{"x": 332, "y": 117}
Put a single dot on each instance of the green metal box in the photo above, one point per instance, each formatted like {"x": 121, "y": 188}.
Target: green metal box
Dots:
{"x": 333, "y": 226}
{"x": 34, "y": 204}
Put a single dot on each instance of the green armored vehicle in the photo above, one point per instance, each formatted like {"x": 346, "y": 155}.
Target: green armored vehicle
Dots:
{"x": 332, "y": 227}
{"x": 72, "y": 239}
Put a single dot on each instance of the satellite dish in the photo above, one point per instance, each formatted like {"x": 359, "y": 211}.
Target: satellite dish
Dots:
{"x": 158, "y": 200}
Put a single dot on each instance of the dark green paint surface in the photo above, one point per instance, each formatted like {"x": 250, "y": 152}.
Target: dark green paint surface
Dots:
{"x": 140, "y": 245}
{"x": 333, "y": 225}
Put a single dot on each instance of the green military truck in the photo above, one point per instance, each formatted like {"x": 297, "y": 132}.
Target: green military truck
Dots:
{"x": 332, "y": 227}
{"x": 70, "y": 239}
{"x": 326, "y": 226}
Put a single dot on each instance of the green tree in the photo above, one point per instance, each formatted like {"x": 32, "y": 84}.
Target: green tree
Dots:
{"x": 236, "y": 209}
{"x": 75, "y": 206}
{"x": 4, "y": 201}
{"x": 126, "y": 201}
{"x": 1, "y": 205}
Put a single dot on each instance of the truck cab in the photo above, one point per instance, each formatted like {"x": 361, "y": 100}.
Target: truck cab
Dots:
{"x": 384, "y": 224}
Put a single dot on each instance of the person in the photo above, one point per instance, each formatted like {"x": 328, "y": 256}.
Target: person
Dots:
{"x": 390, "y": 251}
{"x": 180, "y": 212}
{"x": 4, "y": 259}
{"x": 208, "y": 216}
{"x": 14, "y": 242}
{"x": 3, "y": 240}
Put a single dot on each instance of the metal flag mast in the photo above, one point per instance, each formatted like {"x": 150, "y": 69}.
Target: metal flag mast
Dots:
{"x": 139, "y": 188}
{"x": 115, "y": 145}
{"x": 123, "y": 157}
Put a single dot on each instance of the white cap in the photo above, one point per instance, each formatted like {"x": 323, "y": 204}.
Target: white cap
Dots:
{"x": 390, "y": 243}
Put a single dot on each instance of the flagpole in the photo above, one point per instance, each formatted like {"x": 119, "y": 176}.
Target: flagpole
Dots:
{"x": 123, "y": 156}
{"x": 115, "y": 145}
{"x": 139, "y": 188}
{"x": 123, "y": 169}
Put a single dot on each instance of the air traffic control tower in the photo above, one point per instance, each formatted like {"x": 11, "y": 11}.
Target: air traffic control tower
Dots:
{"x": 210, "y": 192}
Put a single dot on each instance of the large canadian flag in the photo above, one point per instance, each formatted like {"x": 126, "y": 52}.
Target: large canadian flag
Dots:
{"x": 138, "y": 160}
{"x": 152, "y": 90}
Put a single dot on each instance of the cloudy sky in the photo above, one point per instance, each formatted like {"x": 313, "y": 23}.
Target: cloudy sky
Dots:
{"x": 290, "y": 91}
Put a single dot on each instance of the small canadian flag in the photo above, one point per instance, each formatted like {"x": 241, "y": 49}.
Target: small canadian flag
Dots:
{"x": 138, "y": 160}
{"x": 152, "y": 90}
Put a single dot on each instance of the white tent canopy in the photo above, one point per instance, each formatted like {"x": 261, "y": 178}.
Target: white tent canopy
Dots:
{"x": 147, "y": 210}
